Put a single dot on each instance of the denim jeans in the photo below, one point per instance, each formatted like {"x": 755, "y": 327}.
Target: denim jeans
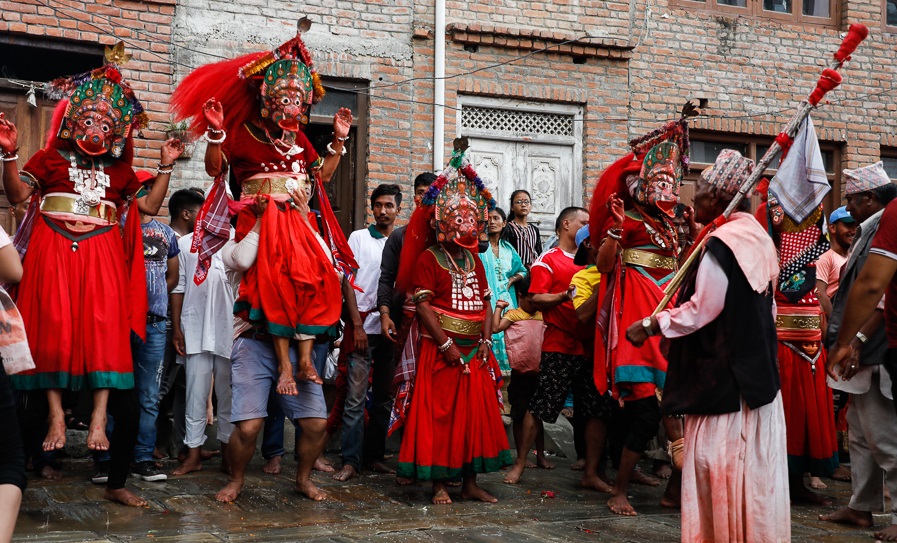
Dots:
{"x": 272, "y": 435}
{"x": 355, "y": 440}
{"x": 148, "y": 357}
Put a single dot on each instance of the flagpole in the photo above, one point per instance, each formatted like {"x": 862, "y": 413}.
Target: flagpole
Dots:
{"x": 829, "y": 79}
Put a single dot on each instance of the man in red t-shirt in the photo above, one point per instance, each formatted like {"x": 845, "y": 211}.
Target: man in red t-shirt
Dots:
{"x": 565, "y": 363}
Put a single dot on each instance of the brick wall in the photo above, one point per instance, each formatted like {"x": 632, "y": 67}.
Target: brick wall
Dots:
{"x": 146, "y": 28}
{"x": 749, "y": 68}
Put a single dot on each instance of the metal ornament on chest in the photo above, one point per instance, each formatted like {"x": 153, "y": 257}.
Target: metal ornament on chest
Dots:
{"x": 90, "y": 184}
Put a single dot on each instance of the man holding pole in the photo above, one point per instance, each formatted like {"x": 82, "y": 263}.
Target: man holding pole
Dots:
{"x": 722, "y": 373}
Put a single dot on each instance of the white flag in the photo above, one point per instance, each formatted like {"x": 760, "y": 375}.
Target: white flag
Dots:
{"x": 800, "y": 183}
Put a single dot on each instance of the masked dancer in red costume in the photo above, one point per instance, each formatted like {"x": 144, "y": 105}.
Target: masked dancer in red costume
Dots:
{"x": 253, "y": 110}
{"x": 632, "y": 213}
{"x": 809, "y": 417}
{"x": 454, "y": 428}
{"x": 84, "y": 287}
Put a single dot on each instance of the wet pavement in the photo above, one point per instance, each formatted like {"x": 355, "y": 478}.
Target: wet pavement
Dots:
{"x": 369, "y": 508}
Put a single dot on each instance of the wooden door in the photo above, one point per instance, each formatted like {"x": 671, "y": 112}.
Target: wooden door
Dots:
{"x": 32, "y": 124}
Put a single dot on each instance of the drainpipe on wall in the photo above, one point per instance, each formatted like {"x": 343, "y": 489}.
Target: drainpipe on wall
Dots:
{"x": 439, "y": 88}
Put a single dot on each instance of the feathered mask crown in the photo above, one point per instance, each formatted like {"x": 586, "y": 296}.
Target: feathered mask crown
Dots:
{"x": 292, "y": 50}
{"x": 103, "y": 83}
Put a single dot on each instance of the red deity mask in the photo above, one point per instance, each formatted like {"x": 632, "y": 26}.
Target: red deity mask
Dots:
{"x": 287, "y": 94}
{"x": 460, "y": 216}
{"x": 98, "y": 118}
{"x": 660, "y": 177}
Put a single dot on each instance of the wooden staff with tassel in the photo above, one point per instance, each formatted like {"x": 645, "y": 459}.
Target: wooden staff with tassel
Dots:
{"x": 829, "y": 79}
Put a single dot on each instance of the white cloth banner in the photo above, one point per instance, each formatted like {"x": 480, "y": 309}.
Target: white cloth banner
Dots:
{"x": 800, "y": 183}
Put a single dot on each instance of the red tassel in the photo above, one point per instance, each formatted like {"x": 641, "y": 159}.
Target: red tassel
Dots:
{"x": 827, "y": 81}
{"x": 856, "y": 34}
{"x": 785, "y": 141}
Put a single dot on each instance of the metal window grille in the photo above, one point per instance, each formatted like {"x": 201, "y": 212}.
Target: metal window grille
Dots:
{"x": 515, "y": 122}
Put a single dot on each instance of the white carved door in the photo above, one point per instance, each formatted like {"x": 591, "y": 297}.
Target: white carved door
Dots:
{"x": 542, "y": 169}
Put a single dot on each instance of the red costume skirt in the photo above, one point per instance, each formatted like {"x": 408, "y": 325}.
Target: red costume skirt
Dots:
{"x": 75, "y": 307}
{"x": 454, "y": 427}
{"x": 809, "y": 416}
{"x": 293, "y": 287}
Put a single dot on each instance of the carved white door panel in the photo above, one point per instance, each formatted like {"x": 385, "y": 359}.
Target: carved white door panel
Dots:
{"x": 495, "y": 163}
{"x": 542, "y": 169}
{"x": 549, "y": 178}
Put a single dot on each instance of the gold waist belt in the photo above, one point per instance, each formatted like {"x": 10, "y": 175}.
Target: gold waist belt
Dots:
{"x": 66, "y": 204}
{"x": 272, "y": 185}
{"x": 460, "y": 326}
{"x": 647, "y": 259}
{"x": 798, "y": 322}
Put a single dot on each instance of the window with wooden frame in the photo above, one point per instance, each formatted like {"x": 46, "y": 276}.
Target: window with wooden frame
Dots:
{"x": 889, "y": 15}
{"x": 706, "y": 146}
{"x": 889, "y": 159}
{"x": 804, "y": 12}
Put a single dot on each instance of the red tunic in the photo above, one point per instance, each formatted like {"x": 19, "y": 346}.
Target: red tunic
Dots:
{"x": 79, "y": 306}
{"x": 634, "y": 372}
{"x": 293, "y": 287}
{"x": 454, "y": 426}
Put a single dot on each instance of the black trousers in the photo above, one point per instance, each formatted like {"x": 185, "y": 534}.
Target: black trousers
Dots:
{"x": 382, "y": 394}
{"x": 12, "y": 452}
{"x": 890, "y": 364}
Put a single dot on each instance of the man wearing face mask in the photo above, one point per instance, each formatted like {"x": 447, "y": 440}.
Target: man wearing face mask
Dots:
{"x": 633, "y": 212}
{"x": 83, "y": 291}
{"x": 253, "y": 110}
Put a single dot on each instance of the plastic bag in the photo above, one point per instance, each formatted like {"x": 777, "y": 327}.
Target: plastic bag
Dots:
{"x": 13, "y": 343}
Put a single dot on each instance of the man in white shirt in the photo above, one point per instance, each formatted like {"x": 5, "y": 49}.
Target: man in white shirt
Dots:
{"x": 202, "y": 317}
{"x": 365, "y": 345}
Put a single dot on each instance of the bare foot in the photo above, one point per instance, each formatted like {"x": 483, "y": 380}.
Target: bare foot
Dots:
{"x": 405, "y": 481}
{"x": 440, "y": 495}
{"x": 188, "y": 466}
{"x": 530, "y": 464}
{"x": 309, "y": 490}
{"x": 888, "y": 534}
{"x": 346, "y": 473}
{"x": 286, "y": 385}
{"x": 579, "y": 465}
{"x": 802, "y": 494}
{"x": 514, "y": 474}
{"x": 307, "y": 372}
{"x": 203, "y": 455}
{"x": 816, "y": 482}
{"x": 272, "y": 467}
{"x": 55, "y": 436}
{"x": 51, "y": 473}
{"x": 380, "y": 467}
{"x": 619, "y": 505}
{"x": 543, "y": 462}
{"x": 229, "y": 493}
{"x": 321, "y": 464}
{"x": 124, "y": 496}
{"x": 472, "y": 491}
{"x": 96, "y": 437}
{"x": 672, "y": 496}
{"x": 639, "y": 477}
{"x": 159, "y": 455}
{"x": 846, "y": 515}
{"x": 596, "y": 483}
{"x": 841, "y": 473}
{"x": 663, "y": 470}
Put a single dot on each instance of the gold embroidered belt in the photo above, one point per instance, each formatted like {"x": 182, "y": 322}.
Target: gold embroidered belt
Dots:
{"x": 647, "y": 259}
{"x": 798, "y": 322}
{"x": 462, "y": 327}
{"x": 63, "y": 203}
{"x": 272, "y": 185}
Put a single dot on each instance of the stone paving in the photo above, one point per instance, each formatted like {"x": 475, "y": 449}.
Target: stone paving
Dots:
{"x": 369, "y": 508}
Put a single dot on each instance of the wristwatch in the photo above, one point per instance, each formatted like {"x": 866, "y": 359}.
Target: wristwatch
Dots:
{"x": 646, "y": 324}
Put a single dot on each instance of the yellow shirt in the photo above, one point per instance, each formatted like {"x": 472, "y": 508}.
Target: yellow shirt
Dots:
{"x": 585, "y": 281}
